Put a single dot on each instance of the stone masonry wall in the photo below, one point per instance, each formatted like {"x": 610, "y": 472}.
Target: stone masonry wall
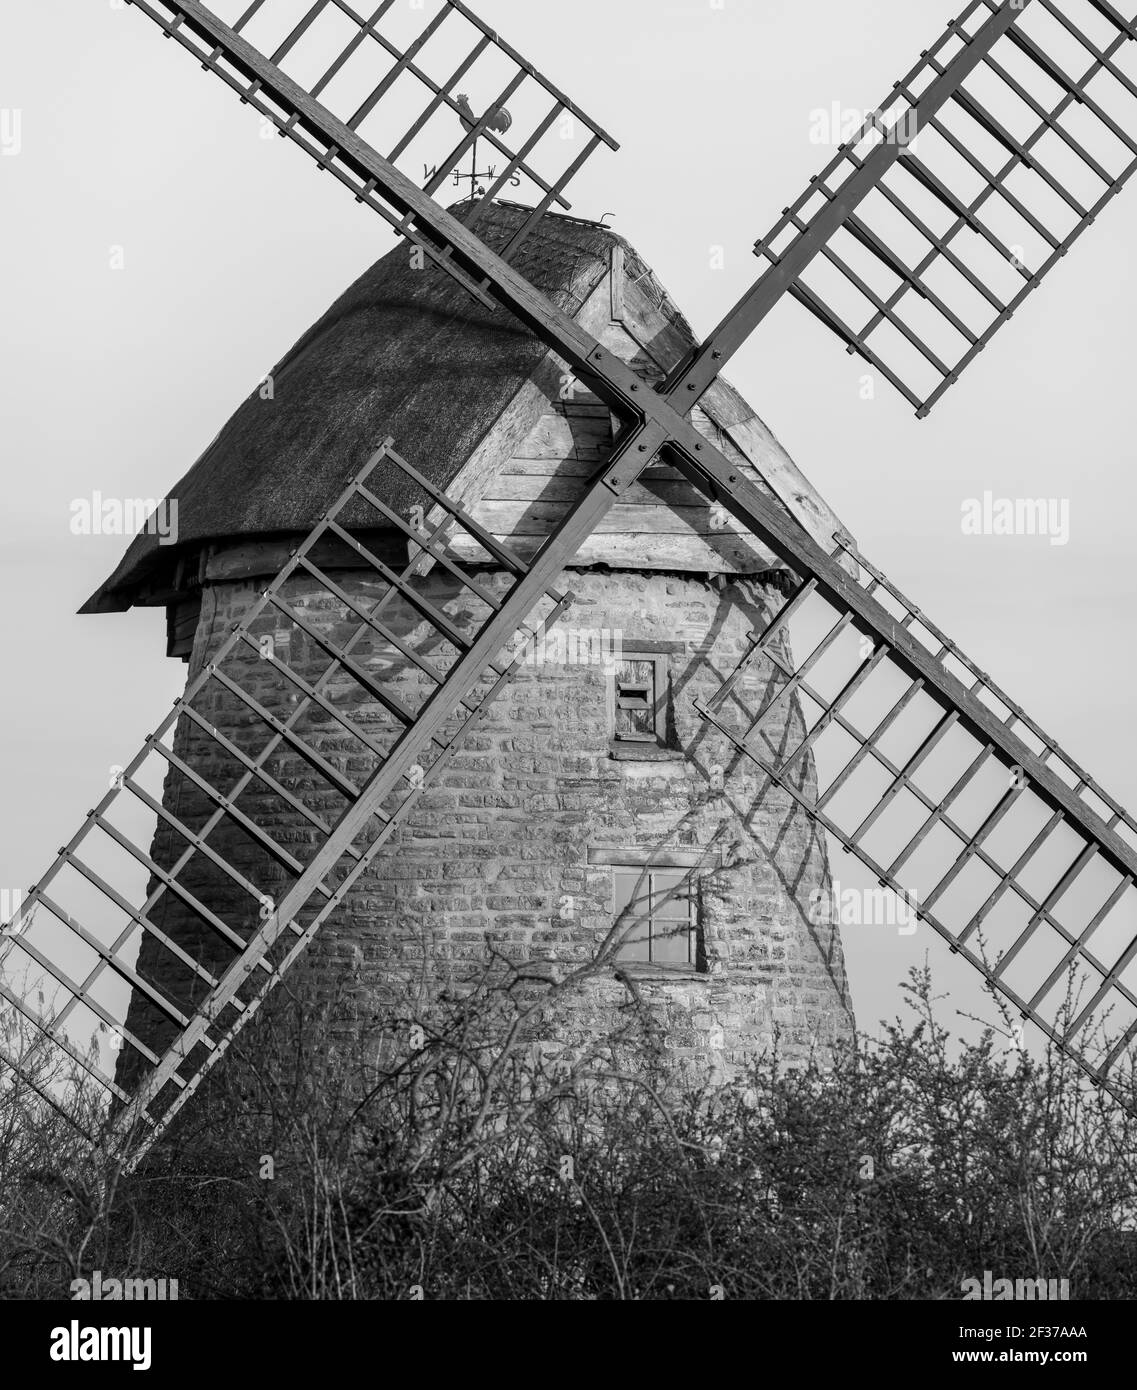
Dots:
{"x": 493, "y": 852}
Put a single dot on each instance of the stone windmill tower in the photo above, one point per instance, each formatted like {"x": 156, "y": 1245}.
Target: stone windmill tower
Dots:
{"x": 592, "y": 794}
{"x": 390, "y": 759}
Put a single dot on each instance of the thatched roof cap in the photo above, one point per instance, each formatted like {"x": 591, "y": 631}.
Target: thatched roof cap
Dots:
{"x": 403, "y": 352}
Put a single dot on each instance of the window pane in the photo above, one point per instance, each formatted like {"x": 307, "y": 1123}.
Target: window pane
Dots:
{"x": 671, "y": 943}
{"x": 656, "y": 931}
{"x": 632, "y": 894}
{"x": 671, "y": 919}
{"x": 632, "y": 890}
{"x": 677, "y": 883}
{"x": 637, "y": 945}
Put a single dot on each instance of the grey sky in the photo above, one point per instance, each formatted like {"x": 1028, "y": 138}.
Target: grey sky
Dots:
{"x": 115, "y": 379}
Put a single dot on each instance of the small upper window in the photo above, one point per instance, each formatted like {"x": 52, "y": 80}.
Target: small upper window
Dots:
{"x": 638, "y": 700}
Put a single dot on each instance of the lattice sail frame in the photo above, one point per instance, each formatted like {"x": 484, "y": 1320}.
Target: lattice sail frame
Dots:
{"x": 980, "y": 197}
{"x": 918, "y": 790}
{"x": 652, "y": 424}
{"x": 77, "y": 915}
{"x": 340, "y": 83}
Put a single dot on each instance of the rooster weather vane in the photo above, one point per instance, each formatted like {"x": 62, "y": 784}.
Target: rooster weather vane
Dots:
{"x": 497, "y": 118}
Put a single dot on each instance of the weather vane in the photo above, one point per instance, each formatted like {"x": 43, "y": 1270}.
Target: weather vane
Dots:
{"x": 496, "y": 118}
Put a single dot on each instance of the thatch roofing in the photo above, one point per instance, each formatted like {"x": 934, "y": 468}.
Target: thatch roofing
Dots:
{"x": 403, "y": 352}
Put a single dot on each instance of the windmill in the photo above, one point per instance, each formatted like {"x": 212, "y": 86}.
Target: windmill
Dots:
{"x": 1010, "y": 839}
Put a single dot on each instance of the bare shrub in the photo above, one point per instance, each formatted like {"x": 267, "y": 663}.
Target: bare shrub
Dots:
{"x": 455, "y": 1154}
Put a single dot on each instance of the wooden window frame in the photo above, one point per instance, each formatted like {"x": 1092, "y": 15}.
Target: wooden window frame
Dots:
{"x": 644, "y": 866}
{"x": 659, "y": 655}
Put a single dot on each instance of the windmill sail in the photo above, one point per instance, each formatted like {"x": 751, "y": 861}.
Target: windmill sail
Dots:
{"x": 949, "y": 792}
{"x": 957, "y": 801}
{"x": 68, "y": 954}
{"x": 968, "y": 194}
{"x": 345, "y": 86}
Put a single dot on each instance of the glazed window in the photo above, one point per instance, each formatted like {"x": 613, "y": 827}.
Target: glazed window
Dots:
{"x": 659, "y": 910}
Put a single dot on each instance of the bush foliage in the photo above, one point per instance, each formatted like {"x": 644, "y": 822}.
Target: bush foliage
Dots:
{"x": 455, "y": 1159}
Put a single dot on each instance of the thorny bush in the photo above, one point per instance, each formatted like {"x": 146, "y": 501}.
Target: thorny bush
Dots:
{"x": 455, "y": 1158}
